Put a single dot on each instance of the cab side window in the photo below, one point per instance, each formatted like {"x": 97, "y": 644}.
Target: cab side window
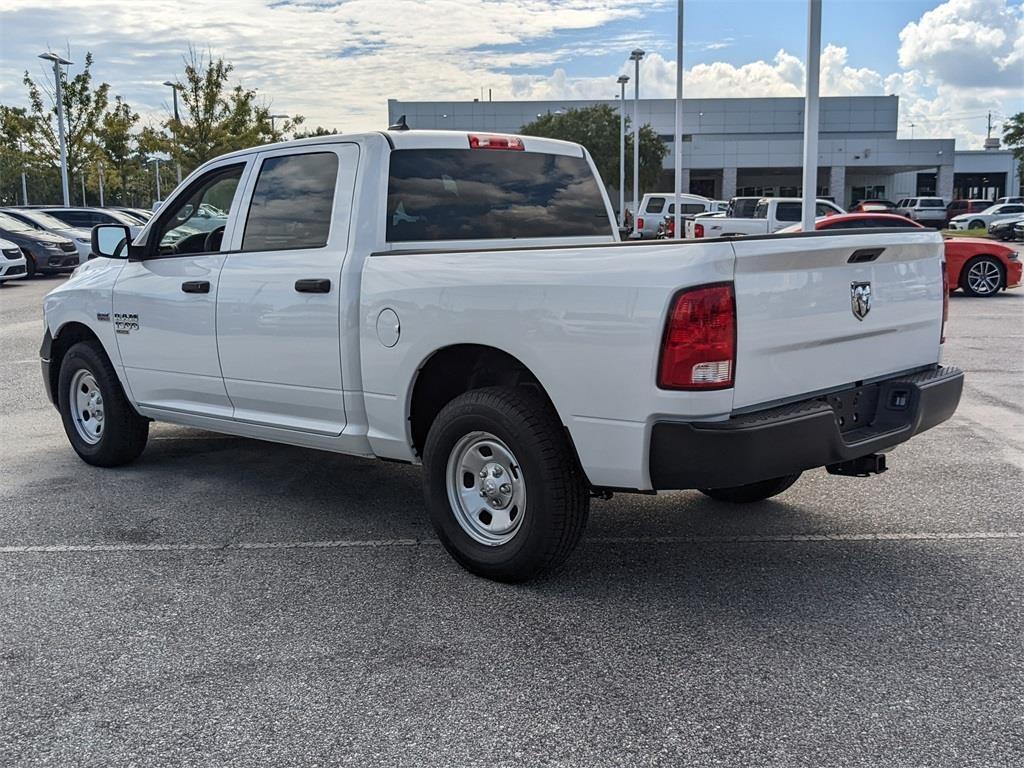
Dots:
{"x": 292, "y": 203}
{"x": 195, "y": 222}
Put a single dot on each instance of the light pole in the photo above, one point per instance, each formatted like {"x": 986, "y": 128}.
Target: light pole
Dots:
{"x": 276, "y": 117}
{"x": 635, "y": 57}
{"x": 174, "y": 89}
{"x": 57, "y": 62}
{"x": 623, "y": 79}
{"x": 811, "y": 115}
{"x": 101, "y": 184}
{"x": 156, "y": 160}
{"x": 677, "y": 215}
{"x": 24, "y": 183}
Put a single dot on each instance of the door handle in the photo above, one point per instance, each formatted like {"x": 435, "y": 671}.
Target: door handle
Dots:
{"x": 313, "y": 285}
{"x": 196, "y": 286}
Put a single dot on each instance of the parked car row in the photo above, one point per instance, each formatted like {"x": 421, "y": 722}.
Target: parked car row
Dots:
{"x": 52, "y": 239}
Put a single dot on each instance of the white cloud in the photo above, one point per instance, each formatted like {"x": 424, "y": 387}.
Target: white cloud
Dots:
{"x": 969, "y": 43}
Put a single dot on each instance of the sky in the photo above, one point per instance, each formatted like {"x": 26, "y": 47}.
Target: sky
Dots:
{"x": 338, "y": 61}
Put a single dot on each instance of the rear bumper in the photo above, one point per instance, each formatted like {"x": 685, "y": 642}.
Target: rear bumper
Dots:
{"x": 804, "y": 435}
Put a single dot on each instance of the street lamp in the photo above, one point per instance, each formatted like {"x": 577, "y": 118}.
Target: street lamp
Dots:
{"x": 635, "y": 57}
{"x": 174, "y": 87}
{"x": 58, "y": 61}
{"x": 623, "y": 79}
{"x": 277, "y": 117}
{"x": 156, "y": 160}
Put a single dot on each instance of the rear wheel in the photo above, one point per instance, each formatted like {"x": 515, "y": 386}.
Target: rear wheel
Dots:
{"x": 745, "y": 494}
{"x": 100, "y": 423}
{"x": 503, "y": 487}
{"x": 982, "y": 276}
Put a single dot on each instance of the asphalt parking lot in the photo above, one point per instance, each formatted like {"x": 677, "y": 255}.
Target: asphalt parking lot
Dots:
{"x": 230, "y": 602}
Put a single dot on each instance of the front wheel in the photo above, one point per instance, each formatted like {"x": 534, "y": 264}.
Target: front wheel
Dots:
{"x": 746, "y": 494}
{"x": 982, "y": 276}
{"x": 976, "y": 224}
{"x": 100, "y": 423}
{"x": 504, "y": 490}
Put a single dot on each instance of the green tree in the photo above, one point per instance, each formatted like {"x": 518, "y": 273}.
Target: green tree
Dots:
{"x": 214, "y": 116}
{"x": 597, "y": 129}
{"x": 16, "y": 125}
{"x": 318, "y": 131}
{"x": 1013, "y": 137}
{"x": 118, "y": 143}
{"x": 84, "y": 108}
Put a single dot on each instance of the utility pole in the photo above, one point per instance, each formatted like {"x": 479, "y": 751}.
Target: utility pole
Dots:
{"x": 174, "y": 88}
{"x": 623, "y": 79}
{"x": 677, "y": 215}
{"x": 635, "y": 56}
{"x": 811, "y": 115}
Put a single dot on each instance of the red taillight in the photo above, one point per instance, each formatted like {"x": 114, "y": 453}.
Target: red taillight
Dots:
{"x": 495, "y": 141}
{"x": 639, "y": 224}
{"x": 698, "y": 230}
{"x": 945, "y": 302}
{"x": 671, "y": 228}
{"x": 699, "y": 348}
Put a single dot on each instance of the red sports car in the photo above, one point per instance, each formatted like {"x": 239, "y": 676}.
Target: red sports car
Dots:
{"x": 979, "y": 267}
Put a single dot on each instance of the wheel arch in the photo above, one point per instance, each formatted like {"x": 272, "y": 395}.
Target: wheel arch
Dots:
{"x": 458, "y": 368}
{"x": 66, "y": 336}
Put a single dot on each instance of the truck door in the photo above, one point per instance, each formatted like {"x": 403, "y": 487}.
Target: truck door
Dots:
{"x": 165, "y": 303}
{"x": 279, "y": 303}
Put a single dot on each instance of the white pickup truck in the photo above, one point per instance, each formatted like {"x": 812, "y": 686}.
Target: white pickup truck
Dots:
{"x": 770, "y": 215}
{"x": 461, "y": 301}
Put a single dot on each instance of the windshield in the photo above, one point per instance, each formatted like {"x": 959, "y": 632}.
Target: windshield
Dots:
{"x": 14, "y": 225}
{"x": 44, "y": 220}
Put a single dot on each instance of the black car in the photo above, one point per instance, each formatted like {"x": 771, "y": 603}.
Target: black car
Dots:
{"x": 1003, "y": 230}
{"x": 87, "y": 218}
{"x": 44, "y": 252}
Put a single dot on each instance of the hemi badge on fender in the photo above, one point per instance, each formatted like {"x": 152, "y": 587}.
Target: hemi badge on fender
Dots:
{"x": 104, "y": 316}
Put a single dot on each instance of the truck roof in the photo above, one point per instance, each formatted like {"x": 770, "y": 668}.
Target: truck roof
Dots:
{"x": 413, "y": 139}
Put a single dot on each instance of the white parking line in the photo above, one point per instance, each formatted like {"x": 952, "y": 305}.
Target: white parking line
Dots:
{"x": 378, "y": 543}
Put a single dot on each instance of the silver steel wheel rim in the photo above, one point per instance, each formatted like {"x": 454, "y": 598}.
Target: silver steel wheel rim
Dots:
{"x": 984, "y": 277}
{"x": 86, "y": 403}
{"x": 486, "y": 489}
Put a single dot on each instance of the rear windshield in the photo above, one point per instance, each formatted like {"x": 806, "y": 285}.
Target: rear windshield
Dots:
{"x": 472, "y": 194}
{"x": 655, "y": 205}
{"x": 742, "y": 209}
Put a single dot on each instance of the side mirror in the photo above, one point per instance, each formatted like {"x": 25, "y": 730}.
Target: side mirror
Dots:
{"x": 111, "y": 240}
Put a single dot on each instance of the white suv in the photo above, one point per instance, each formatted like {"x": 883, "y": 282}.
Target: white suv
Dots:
{"x": 924, "y": 210}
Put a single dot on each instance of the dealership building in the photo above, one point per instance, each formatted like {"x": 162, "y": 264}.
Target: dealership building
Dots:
{"x": 755, "y": 146}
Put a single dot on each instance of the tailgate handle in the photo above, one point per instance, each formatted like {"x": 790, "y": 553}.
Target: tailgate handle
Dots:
{"x": 863, "y": 255}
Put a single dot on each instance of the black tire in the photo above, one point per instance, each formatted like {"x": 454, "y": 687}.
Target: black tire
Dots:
{"x": 976, "y": 224}
{"x": 124, "y": 432}
{"x": 980, "y": 262}
{"x": 557, "y": 495}
{"x": 30, "y": 265}
{"x": 746, "y": 494}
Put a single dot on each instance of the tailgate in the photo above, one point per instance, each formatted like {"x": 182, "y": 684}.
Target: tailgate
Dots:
{"x": 801, "y": 330}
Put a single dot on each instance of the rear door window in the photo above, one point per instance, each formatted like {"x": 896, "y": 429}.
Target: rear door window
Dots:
{"x": 472, "y": 194}
{"x": 788, "y": 212}
{"x": 292, "y": 203}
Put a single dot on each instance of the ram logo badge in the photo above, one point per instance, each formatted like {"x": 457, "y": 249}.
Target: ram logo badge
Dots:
{"x": 126, "y": 322}
{"x": 860, "y": 299}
